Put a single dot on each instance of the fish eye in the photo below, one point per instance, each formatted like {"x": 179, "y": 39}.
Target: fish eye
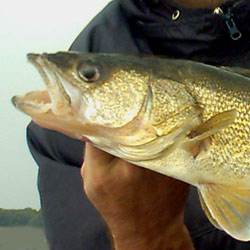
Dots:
{"x": 89, "y": 73}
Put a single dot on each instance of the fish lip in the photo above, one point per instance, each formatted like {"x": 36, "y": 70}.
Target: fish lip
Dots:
{"x": 33, "y": 103}
{"x": 41, "y": 62}
{"x": 14, "y": 101}
{"x": 35, "y": 60}
{"x": 32, "y": 56}
{"x": 50, "y": 76}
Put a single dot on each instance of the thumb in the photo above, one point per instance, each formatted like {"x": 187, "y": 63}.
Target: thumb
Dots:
{"x": 95, "y": 160}
{"x": 94, "y": 154}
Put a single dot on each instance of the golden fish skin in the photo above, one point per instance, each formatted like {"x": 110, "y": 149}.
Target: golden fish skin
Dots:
{"x": 180, "y": 118}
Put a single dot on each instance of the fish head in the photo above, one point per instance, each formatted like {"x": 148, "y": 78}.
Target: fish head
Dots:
{"x": 86, "y": 94}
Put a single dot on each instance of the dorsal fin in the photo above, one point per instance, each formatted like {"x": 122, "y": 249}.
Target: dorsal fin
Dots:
{"x": 240, "y": 71}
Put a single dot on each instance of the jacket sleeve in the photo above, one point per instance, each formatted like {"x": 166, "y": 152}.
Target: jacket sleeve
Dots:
{"x": 108, "y": 32}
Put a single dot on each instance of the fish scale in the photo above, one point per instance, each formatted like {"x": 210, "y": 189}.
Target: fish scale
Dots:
{"x": 215, "y": 99}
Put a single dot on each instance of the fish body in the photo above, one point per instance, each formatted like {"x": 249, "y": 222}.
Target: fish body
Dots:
{"x": 184, "y": 119}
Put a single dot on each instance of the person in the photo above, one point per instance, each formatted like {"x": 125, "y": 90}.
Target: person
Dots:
{"x": 140, "y": 209}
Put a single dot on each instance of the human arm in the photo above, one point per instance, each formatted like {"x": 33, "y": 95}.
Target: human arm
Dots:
{"x": 143, "y": 210}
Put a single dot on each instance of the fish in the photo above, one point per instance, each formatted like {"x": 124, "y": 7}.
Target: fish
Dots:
{"x": 184, "y": 119}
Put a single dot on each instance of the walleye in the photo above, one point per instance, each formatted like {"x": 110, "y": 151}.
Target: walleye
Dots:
{"x": 184, "y": 119}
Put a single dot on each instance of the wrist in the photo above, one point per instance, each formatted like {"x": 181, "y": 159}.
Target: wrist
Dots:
{"x": 173, "y": 235}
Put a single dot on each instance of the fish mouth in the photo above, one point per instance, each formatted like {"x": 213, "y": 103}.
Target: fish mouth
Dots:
{"x": 35, "y": 102}
{"x": 55, "y": 107}
{"x": 54, "y": 99}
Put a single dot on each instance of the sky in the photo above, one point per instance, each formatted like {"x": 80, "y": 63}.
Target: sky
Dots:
{"x": 29, "y": 26}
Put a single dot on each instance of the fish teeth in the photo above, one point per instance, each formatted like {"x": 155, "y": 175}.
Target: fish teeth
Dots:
{"x": 71, "y": 91}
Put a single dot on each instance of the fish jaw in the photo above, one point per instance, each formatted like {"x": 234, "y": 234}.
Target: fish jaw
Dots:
{"x": 33, "y": 103}
{"x": 52, "y": 108}
{"x": 60, "y": 100}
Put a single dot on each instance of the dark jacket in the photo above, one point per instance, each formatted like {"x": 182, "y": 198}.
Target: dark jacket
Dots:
{"x": 134, "y": 27}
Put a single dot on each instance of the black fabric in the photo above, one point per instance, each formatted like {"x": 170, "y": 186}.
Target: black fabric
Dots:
{"x": 198, "y": 35}
{"x": 70, "y": 220}
{"x": 132, "y": 27}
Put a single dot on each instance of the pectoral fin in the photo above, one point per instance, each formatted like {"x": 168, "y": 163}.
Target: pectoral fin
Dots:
{"x": 160, "y": 146}
{"x": 199, "y": 138}
{"x": 227, "y": 208}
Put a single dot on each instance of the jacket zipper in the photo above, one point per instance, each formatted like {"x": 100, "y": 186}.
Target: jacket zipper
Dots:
{"x": 234, "y": 32}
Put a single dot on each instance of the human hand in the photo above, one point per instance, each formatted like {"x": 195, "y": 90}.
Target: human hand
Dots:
{"x": 143, "y": 209}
